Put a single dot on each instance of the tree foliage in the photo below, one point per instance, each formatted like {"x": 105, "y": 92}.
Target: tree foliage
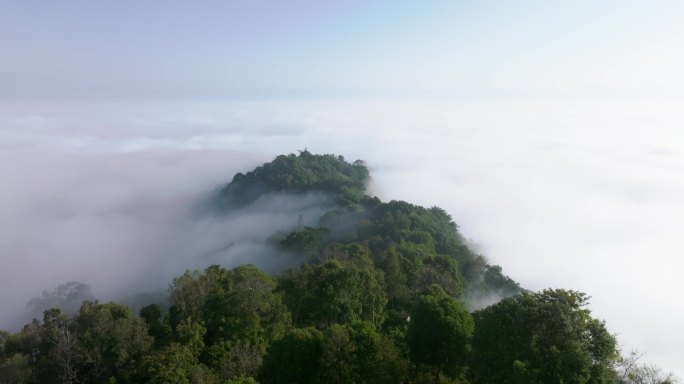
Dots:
{"x": 546, "y": 337}
{"x": 305, "y": 172}
{"x": 331, "y": 293}
{"x": 294, "y": 359}
{"x": 439, "y": 333}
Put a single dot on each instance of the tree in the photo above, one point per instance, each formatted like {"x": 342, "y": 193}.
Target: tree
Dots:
{"x": 190, "y": 334}
{"x": 306, "y": 240}
{"x": 439, "y": 333}
{"x": 343, "y": 353}
{"x": 63, "y": 347}
{"x": 649, "y": 374}
{"x": 189, "y": 291}
{"x": 546, "y": 337}
{"x": 356, "y": 353}
{"x": 14, "y": 366}
{"x": 110, "y": 341}
{"x": 234, "y": 305}
{"x": 175, "y": 364}
{"x": 27, "y": 350}
{"x": 630, "y": 371}
{"x": 156, "y": 326}
{"x": 67, "y": 297}
{"x": 337, "y": 361}
{"x": 15, "y": 369}
{"x": 332, "y": 293}
{"x": 244, "y": 360}
{"x": 294, "y": 359}
{"x": 245, "y": 307}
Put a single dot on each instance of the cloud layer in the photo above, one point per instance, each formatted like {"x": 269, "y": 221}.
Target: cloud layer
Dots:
{"x": 583, "y": 195}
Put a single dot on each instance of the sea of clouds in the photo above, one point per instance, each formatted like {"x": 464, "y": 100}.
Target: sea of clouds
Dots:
{"x": 585, "y": 195}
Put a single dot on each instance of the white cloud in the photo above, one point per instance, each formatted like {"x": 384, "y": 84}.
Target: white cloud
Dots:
{"x": 582, "y": 195}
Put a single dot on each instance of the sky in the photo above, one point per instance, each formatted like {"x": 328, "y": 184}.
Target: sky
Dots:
{"x": 550, "y": 131}
{"x": 216, "y": 49}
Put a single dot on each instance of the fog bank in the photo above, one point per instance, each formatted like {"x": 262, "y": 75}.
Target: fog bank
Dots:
{"x": 586, "y": 195}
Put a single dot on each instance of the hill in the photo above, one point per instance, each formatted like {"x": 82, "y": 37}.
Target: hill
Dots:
{"x": 381, "y": 292}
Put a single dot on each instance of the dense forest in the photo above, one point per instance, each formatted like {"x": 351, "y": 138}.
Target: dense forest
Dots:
{"x": 382, "y": 292}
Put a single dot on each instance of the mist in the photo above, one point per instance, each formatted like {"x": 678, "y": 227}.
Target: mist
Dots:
{"x": 128, "y": 223}
{"x": 584, "y": 195}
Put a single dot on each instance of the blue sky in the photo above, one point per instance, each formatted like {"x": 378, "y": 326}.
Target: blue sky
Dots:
{"x": 220, "y": 48}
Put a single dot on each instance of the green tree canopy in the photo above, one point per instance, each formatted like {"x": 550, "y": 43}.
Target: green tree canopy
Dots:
{"x": 175, "y": 364}
{"x": 439, "y": 333}
{"x": 357, "y": 353}
{"x": 245, "y": 307}
{"x": 234, "y": 305}
{"x": 299, "y": 173}
{"x": 349, "y": 353}
{"x": 331, "y": 293}
{"x": 547, "y": 337}
{"x": 294, "y": 359}
{"x": 110, "y": 340}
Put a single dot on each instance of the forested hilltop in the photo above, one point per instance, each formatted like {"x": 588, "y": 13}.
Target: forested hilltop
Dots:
{"x": 382, "y": 292}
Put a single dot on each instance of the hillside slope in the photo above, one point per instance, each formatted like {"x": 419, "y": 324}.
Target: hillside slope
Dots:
{"x": 379, "y": 292}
